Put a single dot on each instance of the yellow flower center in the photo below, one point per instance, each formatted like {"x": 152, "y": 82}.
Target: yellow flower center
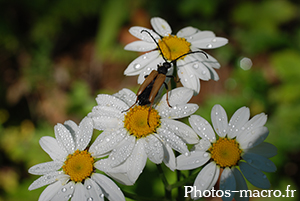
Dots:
{"x": 79, "y": 165}
{"x": 137, "y": 123}
{"x": 225, "y": 152}
{"x": 173, "y": 47}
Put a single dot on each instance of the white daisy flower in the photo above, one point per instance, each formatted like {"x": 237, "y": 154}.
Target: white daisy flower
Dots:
{"x": 239, "y": 143}
{"x": 71, "y": 174}
{"x": 129, "y": 137}
{"x": 190, "y": 68}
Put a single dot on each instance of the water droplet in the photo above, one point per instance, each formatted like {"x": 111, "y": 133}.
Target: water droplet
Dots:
{"x": 90, "y": 199}
{"x": 101, "y": 195}
{"x": 209, "y": 46}
{"x": 214, "y": 40}
{"x": 144, "y": 57}
{"x": 196, "y": 66}
{"x": 63, "y": 190}
{"x": 250, "y": 144}
{"x": 205, "y": 155}
{"x": 203, "y": 72}
{"x": 88, "y": 187}
{"x": 136, "y": 66}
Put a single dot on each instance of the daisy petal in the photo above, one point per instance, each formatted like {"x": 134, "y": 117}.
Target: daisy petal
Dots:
{"x": 186, "y": 133}
{"x": 126, "y": 95}
{"x": 44, "y": 180}
{"x": 202, "y": 128}
{"x": 169, "y": 157}
{"x": 107, "y": 141}
{"x": 161, "y": 26}
{"x": 241, "y": 185}
{"x": 203, "y": 145}
{"x": 140, "y": 63}
{"x": 205, "y": 178}
{"x": 196, "y": 67}
{"x": 84, "y": 133}
{"x": 104, "y": 111}
{"x": 110, "y": 189}
{"x": 137, "y": 32}
{"x": 213, "y": 74}
{"x": 120, "y": 153}
{"x": 104, "y": 166}
{"x": 227, "y": 183}
{"x": 93, "y": 190}
{"x": 200, "y": 35}
{"x": 140, "y": 46}
{"x": 254, "y": 176}
{"x": 208, "y": 62}
{"x": 215, "y": 178}
{"x": 264, "y": 149}
{"x": 51, "y": 147}
{"x": 136, "y": 162}
{"x": 79, "y": 192}
{"x": 118, "y": 173}
{"x": 64, "y": 138}
{"x": 254, "y": 137}
{"x": 255, "y": 122}
{"x": 154, "y": 149}
{"x": 64, "y": 193}
{"x": 187, "y": 31}
{"x": 173, "y": 140}
{"x": 259, "y": 162}
{"x": 44, "y": 168}
{"x": 237, "y": 121}
{"x": 179, "y": 96}
{"x": 71, "y": 126}
{"x": 105, "y": 122}
{"x": 210, "y": 43}
{"x": 187, "y": 77}
{"x": 194, "y": 160}
{"x": 51, "y": 191}
{"x": 111, "y": 101}
{"x": 219, "y": 120}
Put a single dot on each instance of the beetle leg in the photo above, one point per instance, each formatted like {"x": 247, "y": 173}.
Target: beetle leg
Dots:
{"x": 131, "y": 106}
{"x": 171, "y": 76}
{"x": 149, "y": 113}
{"x": 167, "y": 88}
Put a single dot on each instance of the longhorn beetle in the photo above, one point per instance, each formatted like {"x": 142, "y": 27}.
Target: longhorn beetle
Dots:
{"x": 153, "y": 82}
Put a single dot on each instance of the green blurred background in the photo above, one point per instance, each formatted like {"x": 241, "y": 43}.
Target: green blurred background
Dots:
{"x": 56, "y": 56}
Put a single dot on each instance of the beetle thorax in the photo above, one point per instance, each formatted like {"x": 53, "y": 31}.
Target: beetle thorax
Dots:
{"x": 163, "y": 69}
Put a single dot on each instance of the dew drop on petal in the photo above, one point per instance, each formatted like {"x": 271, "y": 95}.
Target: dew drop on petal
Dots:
{"x": 90, "y": 199}
{"x": 63, "y": 190}
{"x": 214, "y": 40}
{"x": 250, "y": 144}
{"x": 209, "y": 46}
{"x": 88, "y": 187}
{"x": 101, "y": 195}
{"x": 136, "y": 66}
{"x": 196, "y": 66}
{"x": 205, "y": 155}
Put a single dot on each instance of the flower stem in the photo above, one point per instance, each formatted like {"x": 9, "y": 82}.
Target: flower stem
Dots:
{"x": 168, "y": 188}
{"x": 140, "y": 198}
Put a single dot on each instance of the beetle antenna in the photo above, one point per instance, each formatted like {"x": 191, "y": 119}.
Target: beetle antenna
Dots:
{"x": 190, "y": 53}
{"x": 155, "y": 43}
